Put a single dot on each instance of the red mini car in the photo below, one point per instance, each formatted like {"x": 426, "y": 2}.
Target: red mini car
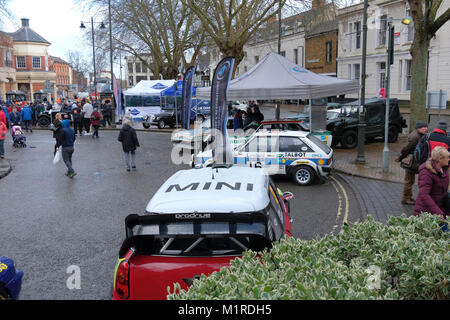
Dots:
{"x": 196, "y": 223}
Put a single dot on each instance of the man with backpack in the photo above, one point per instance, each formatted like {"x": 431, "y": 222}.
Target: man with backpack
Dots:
{"x": 408, "y": 162}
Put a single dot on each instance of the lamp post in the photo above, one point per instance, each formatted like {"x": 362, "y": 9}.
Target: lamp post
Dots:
{"x": 102, "y": 26}
{"x": 361, "y": 121}
{"x": 390, "y": 61}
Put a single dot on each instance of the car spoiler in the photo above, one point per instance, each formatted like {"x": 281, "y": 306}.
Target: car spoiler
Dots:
{"x": 194, "y": 225}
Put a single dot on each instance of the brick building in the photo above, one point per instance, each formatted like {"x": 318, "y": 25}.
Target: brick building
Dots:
{"x": 31, "y": 61}
{"x": 7, "y": 70}
{"x": 63, "y": 72}
{"x": 321, "y": 48}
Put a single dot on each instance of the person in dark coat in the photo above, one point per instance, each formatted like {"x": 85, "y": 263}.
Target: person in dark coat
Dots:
{"x": 237, "y": 120}
{"x": 107, "y": 112}
{"x": 130, "y": 142}
{"x": 77, "y": 118}
{"x": 433, "y": 183}
{"x": 407, "y": 153}
{"x": 439, "y": 136}
{"x": 56, "y": 128}
{"x": 66, "y": 140}
{"x": 15, "y": 118}
{"x": 257, "y": 115}
{"x": 248, "y": 117}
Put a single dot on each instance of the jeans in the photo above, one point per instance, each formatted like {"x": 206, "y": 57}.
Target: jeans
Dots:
{"x": 28, "y": 125}
{"x": 95, "y": 134}
{"x": 2, "y": 147}
{"x": 78, "y": 126}
{"x": 127, "y": 159}
{"x": 87, "y": 124}
{"x": 67, "y": 153}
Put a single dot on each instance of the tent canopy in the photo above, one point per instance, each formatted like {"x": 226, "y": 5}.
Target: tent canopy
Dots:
{"x": 275, "y": 77}
{"x": 149, "y": 88}
{"x": 170, "y": 92}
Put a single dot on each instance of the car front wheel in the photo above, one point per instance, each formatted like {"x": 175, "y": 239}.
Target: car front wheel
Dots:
{"x": 349, "y": 139}
{"x": 44, "y": 121}
{"x": 145, "y": 125}
{"x": 161, "y": 124}
{"x": 303, "y": 175}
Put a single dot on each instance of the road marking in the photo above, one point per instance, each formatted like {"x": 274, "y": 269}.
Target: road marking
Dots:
{"x": 344, "y": 193}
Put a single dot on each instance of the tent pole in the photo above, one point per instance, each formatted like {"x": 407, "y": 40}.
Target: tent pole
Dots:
{"x": 277, "y": 110}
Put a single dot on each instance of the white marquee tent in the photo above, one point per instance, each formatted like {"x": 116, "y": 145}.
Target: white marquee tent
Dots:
{"x": 275, "y": 77}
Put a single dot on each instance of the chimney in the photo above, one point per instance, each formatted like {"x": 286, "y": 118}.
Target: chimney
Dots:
{"x": 317, "y": 4}
{"x": 25, "y": 22}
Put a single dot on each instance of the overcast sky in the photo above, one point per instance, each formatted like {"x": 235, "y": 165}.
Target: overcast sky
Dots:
{"x": 57, "y": 21}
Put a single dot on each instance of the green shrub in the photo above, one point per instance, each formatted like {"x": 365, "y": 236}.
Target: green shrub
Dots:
{"x": 406, "y": 259}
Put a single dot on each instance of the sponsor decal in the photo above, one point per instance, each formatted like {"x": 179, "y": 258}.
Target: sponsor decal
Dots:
{"x": 135, "y": 112}
{"x": 159, "y": 86}
{"x": 298, "y": 69}
{"x": 192, "y": 216}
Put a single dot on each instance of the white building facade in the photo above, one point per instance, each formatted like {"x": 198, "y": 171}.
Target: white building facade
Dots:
{"x": 136, "y": 71}
{"x": 350, "y": 49}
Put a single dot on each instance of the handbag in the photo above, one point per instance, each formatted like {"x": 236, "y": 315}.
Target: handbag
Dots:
{"x": 57, "y": 157}
{"x": 408, "y": 163}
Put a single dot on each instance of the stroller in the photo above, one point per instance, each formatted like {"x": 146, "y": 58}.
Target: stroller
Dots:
{"x": 19, "y": 140}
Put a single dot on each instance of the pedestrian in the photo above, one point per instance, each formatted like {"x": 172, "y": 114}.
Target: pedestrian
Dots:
{"x": 107, "y": 112}
{"x": 3, "y": 131}
{"x": 3, "y": 117}
{"x": 439, "y": 137}
{"x": 257, "y": 115}
{"x": 87, "y": 112}
{"x": 407, "y": 161}
{"x": 248, "y": 117}
{"x": 27, "y": 117}
{"x": 130, "y": 142}
{"x": 95, "y": 122}
{"x": 15, "y": 118}
{"x": 5, "y": 111}
{"x": 237, "y": 121}
{"x": 77, "y": 118}
{"x": 56, "y": 128}
{"x": 66, "y": 141}
{"x": 433, "y": 184}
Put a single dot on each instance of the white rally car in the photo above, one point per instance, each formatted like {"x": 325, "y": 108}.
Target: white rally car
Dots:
{"x": 298, "y": 154}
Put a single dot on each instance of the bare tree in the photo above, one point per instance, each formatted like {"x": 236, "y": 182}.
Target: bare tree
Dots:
{"x": 161, "y": 29}
{"x": 5, "y": 13}
{"x": 426, "y": 24}
{"x": 231, "y": 23}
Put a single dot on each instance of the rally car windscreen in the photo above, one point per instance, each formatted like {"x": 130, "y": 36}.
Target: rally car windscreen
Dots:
{"x": 199, "y": 247}
{"x": 325, "y": 148}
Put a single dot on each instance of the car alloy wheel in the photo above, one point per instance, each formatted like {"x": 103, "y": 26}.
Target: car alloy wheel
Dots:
{"x": 392, "y": 134}
{"x": 303, "y": 175}
{"x": 43, "y": 122}
{"x": 161, "y": 124}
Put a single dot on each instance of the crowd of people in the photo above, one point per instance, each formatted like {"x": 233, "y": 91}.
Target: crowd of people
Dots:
{"x": 252, "y": 117}
{"x": 433, "y": 177}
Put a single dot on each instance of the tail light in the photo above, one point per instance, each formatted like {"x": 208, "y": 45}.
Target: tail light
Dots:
{"x": 123, "y": 280}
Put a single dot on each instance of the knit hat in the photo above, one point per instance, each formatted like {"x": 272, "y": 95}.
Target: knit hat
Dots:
{"x": 421, "y": 124}
{"x": 65, "y": 123}
{"x": 442, "y": 125}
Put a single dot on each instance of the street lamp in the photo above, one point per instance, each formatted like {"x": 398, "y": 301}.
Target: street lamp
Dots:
{"x": 361, "y": 119}
{"x": 102, "y": 26}
{"x": 390, "y": 61}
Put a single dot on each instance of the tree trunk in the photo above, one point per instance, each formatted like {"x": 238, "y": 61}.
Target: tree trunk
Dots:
{"x": 419, "y": 52}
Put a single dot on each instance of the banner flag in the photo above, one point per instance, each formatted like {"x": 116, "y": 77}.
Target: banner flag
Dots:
{"x": 186, "y": 97}
{"x": 219, "y": 110}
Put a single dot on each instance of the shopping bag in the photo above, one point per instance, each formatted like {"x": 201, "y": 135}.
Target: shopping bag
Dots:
{"x": 57, "y": 157}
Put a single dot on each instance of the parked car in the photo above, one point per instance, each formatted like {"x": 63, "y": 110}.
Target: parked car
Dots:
{"x": 344, "y": 128}
{"x": 298, "y": 154}
{"x": 196, "y": 223}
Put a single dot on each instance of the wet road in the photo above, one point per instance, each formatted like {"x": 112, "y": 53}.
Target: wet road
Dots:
{"x": 50, "y": 222}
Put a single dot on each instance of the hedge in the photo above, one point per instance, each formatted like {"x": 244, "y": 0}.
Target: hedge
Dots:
{"x": 406, "y": 259}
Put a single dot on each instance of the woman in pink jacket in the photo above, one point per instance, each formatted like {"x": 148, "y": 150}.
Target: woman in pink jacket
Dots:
{"x": 433, "y": 184}
{"x": 3, "y": 131}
